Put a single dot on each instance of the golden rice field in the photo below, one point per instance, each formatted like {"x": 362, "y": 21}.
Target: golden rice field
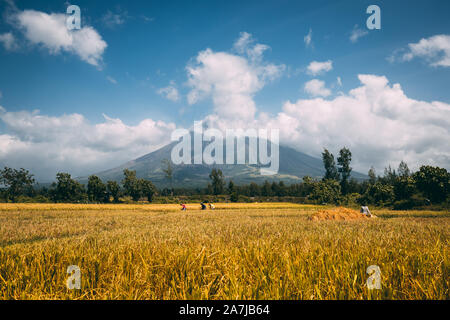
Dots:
{"x": 238, "y": 251}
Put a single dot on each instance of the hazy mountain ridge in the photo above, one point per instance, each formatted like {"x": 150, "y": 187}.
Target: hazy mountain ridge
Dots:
{"x": 293, "y": 166}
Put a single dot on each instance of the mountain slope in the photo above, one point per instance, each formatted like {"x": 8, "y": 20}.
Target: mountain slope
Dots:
{"x": 293, "y": 166}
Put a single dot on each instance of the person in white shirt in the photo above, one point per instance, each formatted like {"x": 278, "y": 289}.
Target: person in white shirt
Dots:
{"x": 365, "y": 210}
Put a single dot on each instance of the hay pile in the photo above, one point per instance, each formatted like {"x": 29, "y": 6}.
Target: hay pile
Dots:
{"x": 339, "y": 213}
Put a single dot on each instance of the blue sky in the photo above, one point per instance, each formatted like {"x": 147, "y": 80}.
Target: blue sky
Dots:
{"x": 150, "y": 45}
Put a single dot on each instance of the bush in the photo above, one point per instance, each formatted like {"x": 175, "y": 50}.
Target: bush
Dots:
{"x": 327, "y": 191}
{"x": 378, "y": 194}
{"x": 234, "y": 197}
{"x": 416, "y": 201}
{"x": 351, "y": 199}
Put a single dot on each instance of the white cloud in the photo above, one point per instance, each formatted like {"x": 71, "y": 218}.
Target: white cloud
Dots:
{"x": 9, "y": 41}
{"x": 245, "y": 46}
{"x": 435, "y": 50}
{"x": 377, "y": 121}
{"x": 48, "y": 144}
{"x": 308, "y": 39}
{"x": 316, "y": 67}
{"x": 170, "y": 92}
{"x": 339, "y": 81}
{"x": 112, "y": 20}
{"x": 111, "y": 79}
{"x": 357, "y": 33}
{"x": 316, "y": 88}
{"x": 49, "y": 31}
{"x": 231, "y": 80}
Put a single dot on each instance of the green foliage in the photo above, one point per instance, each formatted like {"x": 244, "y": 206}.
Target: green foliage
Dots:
{"x": 217, "y": 181}
{"x": 415, "y": 201}
{"x": 350, "y": 199}
{"x": 253, "y": 189}
{"x": 147, "y": 189}
{"x": 67, "y": 189}
{"x": 168, "y": 171}
{"x": 131, "y": 184}
{"x": 96, "y": 189}
{"x": 404, "y": 187}
{"x": 325, "y": 191}
{"x": 379, "y": 194}
{"x": 403, "y": 170}
{"x": 234, "y": 197}
{"x": 230, "y": 187}
{"x": 331, "y": 172}
{"x": 266, "y": 189}
{"x": 344, "y": 159}
{"x": 15, "y": 181}
{"x": 113, "y": 190}
{"x": 372, "y": 175}
{"x": 433, "y": 182}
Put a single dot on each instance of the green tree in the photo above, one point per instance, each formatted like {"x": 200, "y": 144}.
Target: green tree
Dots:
{"x": 131, "y": 184}
{"x": 404, "y": 187}
{"x": 168, "y": 171}
{"x": 274, "y": 188}
{"x": 433, "y": 182}
{"x": 403, "y": 170}
{"x": 217, "y": 181}
{"x": 344, "y": 159}
{"x": 331, "y": 171}
{"x": 379, "y": 194}
{"x": 390, "y": 176}
{"x": 147, "y": 189}
{"x": 253, "y": 189}
{"x": 67, "y": 189}
{"x": 372, "y": 175}
{"x": 230, "y": 187}
{"x": 325, "y": 191}
{"x": 113, "y": 190}
{"x": 15, "y": 181}
{"x": 234, "y": 197}
{"x": 282, "y": 190}
{"x": 266, "y": 189}
{"x": 96, "y": 189}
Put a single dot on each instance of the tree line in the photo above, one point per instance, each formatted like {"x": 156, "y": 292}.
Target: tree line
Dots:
{"x": 19, "y": 182}
{"x": 400, "y": 188}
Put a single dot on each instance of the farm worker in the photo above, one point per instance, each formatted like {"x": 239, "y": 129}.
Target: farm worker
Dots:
{"x": 203, "y": 206}
{"x": 365, "y": 210}
{"x": 183, "y": 207}
{"x": 211, "y": 206}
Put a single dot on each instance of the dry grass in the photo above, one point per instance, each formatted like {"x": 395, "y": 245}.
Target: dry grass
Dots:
{"x": 339, "y": 213}
{"x": 238, "y": 251}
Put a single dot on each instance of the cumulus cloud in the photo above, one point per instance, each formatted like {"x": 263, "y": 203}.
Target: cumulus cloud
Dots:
{"x": 49, "y": 31}
{"x": 316, "y": 67}
{"x": 170, "y": 92}
{"x": 357, "y": 33}
{"x": 317, "y": 88}
{"x": 435, "y": 50}
{"x": 9, "y": 41}
{"x": 46, "y": 144}
{"x": 308, "y": 39}
{"x": 377, "y": 121}
{"x": 231, "y": 80}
